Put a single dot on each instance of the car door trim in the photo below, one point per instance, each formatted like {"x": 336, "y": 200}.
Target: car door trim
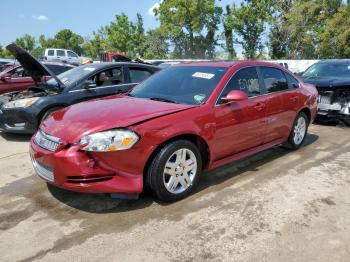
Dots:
{"x": 101, "y": 87}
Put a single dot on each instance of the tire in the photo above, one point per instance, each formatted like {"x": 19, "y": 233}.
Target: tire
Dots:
{"x": 347, "y": 122}
{"x": 299, "y": 132}
{"x": 169, "y": 186}
{"x": 48, "y": 113}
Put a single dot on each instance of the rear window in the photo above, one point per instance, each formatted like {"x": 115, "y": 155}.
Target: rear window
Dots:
{"x": 60, "y": 53}
{"x": 274, "y": 79}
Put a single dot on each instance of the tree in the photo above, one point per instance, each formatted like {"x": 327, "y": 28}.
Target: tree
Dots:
{"x": 335, "y": 39}
{"x": 93, "y": 47}
{"x": 27, "y": 42}
{"x": 156, "y": 46}
{"x": 227, "y": 22}
{"x": 190, "y": 25}
{"x": 249, "y": 22}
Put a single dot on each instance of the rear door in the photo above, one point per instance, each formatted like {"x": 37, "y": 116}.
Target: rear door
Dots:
{"x": 277, "y": 117}
{"x": 240, "y": 125}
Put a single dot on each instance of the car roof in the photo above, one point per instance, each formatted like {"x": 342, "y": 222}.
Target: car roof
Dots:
{"x": 107, "y": 64}
{"x": 228, "y": 64}
{"x": 57, "y": 63}
{"x": 338, "y": 61}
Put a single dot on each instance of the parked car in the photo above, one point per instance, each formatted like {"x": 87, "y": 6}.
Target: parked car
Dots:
{"x": 4, "y": 62}
{"x": 67, "y": 56}
{"x": 332, "y": 80}
{"x": 16, "y": 78}
{"x": 22, "y": 112}
{"x": 167, "y": 130}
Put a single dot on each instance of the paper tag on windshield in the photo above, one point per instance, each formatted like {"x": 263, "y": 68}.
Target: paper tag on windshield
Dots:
{"x": 203, "y": 75}
{"x": 89, "y": 69}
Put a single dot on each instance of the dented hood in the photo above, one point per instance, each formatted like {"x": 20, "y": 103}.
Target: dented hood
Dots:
{"x": 74, "y": 122}
{"x": 33, "y": 67}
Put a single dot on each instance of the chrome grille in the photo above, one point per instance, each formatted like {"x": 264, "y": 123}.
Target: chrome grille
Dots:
{"x": 325, "y": 100}
{"x": 46, "y": 141}
{"x": 43, "y": 170}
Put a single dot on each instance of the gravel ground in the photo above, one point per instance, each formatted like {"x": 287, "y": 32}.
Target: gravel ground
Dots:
{"x": 275, "y": 206}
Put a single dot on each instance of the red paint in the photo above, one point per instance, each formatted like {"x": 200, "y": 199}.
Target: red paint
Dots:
{"x": 231, "y": 131}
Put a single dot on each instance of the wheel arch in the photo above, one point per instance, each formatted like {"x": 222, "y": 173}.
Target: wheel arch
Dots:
{"x": 202, "y": 145}
{"x": 307, "y": 112}
{"x": 47, "y": 108}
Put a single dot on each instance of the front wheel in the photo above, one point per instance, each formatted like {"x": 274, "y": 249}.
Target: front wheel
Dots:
{"x": 299, "y": 131}
{"x": 174, "y": 171}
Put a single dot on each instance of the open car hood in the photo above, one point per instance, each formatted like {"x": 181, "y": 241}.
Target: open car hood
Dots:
{"x": 76, "y": 121}
{"x": 33, "y": 67}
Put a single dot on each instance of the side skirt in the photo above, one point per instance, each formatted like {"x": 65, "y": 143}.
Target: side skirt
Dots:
{"x": 245, "y": 153}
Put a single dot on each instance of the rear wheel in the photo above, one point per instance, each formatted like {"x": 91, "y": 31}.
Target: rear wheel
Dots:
{"x": 174, "y": 171}
{"x": 299, "y": 131}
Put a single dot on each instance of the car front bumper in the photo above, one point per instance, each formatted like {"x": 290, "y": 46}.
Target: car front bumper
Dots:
{"x": 334, "y": 111}
{"x": 80, "y": 171}
{"x": 18, "y": 120}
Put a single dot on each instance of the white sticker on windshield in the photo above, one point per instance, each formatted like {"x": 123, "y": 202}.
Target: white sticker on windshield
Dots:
{"x": 203, "y": 75}
{"x": 89, "y": 69}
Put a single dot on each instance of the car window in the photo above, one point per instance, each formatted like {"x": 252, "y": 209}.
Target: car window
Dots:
{"x": 71, "y": 54}
{"x": 138, "y": 74}
{"x": 57, "y": 69}
{"x": 293, "y": 83}
{"x": 108, "y": 77}
{"x": 17, "y": 72}
{"x": 329, "y": 69}
{"x": 60, "y": 53}
{"x": 181, "y": 84}
{"x": 245, "y": 80}
{"x": 274, "y": 79}
{"x": 51, "y": 52}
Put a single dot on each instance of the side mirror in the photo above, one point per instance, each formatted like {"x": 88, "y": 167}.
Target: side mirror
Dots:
{"x": 89, "y": 84}
{"x": 5, "y": 77}
{"x": 234, "y": 96}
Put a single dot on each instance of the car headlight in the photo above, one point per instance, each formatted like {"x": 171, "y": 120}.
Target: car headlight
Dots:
{"x": 22, "y": 103}
{"x": 113, "y": 140}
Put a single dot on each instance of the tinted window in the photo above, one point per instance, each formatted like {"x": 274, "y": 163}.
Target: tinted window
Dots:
{"x": 245, "y": 80}
{"x": 61, "y": 53}
{"x": 274, "y": 79}
{"x": 331, "y": 69}
{"x": 138, "y": 74}
{"x": 108, "y": 77}
{"x": 292, "y": 81}
{"x": 51, "y": 52}
{"x": 17, "y": 72}
{"x": 181, "y": 84}
{"x": 71, "y": 54}
{"x": 57, "y": 69}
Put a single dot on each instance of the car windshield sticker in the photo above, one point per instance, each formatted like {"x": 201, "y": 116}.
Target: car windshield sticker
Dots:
{"x": 203, "y": 75}
{"x": 199, "y": 98}
{"x": 89, "y": 69}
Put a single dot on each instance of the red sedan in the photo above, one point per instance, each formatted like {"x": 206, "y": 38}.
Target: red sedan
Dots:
{"x": 179, "y": 122}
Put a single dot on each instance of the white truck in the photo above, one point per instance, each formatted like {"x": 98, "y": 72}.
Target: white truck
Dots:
{"x": 63, "y": 55}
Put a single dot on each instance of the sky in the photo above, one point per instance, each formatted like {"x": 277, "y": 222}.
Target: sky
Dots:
{"x": 36, "y": 17}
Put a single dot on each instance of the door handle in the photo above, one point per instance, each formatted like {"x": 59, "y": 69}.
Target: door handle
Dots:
{"x": 259, "y": 106}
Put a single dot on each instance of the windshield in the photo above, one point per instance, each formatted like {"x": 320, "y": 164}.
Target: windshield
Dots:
{"x": 326, "y": 70}
{"x": 71, "y": 76}
{"x": 181, "y": 84}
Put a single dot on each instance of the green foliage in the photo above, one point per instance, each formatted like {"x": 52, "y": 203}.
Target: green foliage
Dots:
{"x": 190, "y": 26}
{"x": 228, "y": 23}
{"x": 27, "y": 42}
{"x": 156, "y": 46}
{"x": 249, "y": 24}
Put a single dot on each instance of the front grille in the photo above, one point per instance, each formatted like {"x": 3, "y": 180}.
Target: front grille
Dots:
{"x": 43, "y": 170}
{"x": 46, "y": 141}
{"x": 325, "y": 99}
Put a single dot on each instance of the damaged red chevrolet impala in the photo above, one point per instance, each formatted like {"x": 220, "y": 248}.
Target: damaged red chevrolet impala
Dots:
{"x": 166, "y": 131}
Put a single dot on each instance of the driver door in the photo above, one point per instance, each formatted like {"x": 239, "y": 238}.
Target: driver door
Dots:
{"x": 240, "y": 125}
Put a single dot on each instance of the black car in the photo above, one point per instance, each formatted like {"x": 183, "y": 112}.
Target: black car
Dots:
{"x": 22, "y": 112}
{"x": 332, "y": 80}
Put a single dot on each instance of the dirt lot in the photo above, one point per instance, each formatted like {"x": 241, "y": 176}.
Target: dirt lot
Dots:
{"x": 275, "y": 206}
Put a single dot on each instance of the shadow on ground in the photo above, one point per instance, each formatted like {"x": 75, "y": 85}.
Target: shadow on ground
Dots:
{"x": 102, "y": 203}
{"x": 15, "y": 137}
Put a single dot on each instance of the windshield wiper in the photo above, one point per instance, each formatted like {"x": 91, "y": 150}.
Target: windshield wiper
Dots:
{"x": 163, "y": 100}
